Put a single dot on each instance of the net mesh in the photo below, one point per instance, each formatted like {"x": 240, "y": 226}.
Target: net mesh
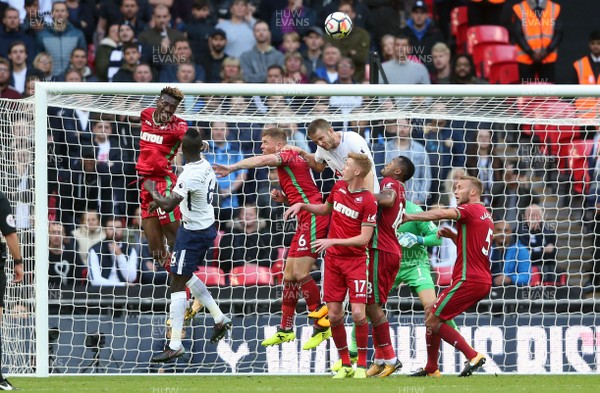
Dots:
{"x": 526, "y": 150}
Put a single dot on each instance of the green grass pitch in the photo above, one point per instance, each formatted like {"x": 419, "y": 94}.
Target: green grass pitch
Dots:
{"x": 231, "y": 384}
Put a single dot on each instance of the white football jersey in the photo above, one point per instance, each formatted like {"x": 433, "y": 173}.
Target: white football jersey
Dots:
{"x": 197, "y": 184}
{"x": 335, "y": 159}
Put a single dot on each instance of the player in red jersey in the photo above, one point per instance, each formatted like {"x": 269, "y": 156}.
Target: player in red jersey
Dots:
{"x": 353, "y": 211}
{"x": 384, "y": 261}
{"x": 160, "y": 139}
{"x": 298, "y": 186}
{"x": 471, "y": 278}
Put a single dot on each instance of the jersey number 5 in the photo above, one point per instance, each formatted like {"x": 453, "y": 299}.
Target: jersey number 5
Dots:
{"x": 486, "y": 249}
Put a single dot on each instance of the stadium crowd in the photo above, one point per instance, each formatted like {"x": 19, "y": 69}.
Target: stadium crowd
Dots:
{"x": 95, "y": 234}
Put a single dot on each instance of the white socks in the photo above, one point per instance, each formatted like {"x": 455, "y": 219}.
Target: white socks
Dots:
{"x": 200, "y": 292}
{"x": 177, "y": 311}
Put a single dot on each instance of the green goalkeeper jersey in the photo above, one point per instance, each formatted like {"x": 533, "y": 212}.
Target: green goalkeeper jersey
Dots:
{"x": 417, "y": 255}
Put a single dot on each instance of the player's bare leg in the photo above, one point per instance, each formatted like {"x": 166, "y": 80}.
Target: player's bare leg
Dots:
{"x": 386, "y": 361}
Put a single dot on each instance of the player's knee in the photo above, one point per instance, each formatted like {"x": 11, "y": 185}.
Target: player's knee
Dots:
{"x": 358, "y": 315}
{"x": 335, "y": 319}
{"x": 380, "y": 319}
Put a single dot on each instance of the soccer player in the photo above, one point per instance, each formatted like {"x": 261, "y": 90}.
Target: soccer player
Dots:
{"x": 471, "y": 278}
{"x": 333, "y": 148}
{"x": 9, "y": 231}
{"x": 353, "y": 211}
{"x": 298, "y": 186}
{"x": 195, "y": 188}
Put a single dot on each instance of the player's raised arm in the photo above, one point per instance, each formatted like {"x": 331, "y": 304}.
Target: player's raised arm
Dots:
{"x": 167, "y": 203}
{"x": 433, "y": 215}
{"x": 386, "y": 197}
{"x": 248, "y": 163}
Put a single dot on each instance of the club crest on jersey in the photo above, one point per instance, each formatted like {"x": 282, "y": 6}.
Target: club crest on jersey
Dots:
{"x": 345, "y": 210}
{"x": 358, "y": 199}
{"x": 146, "y": 136}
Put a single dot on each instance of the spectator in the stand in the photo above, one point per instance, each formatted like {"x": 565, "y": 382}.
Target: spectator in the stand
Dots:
{"x": 295, "y": 137}
{"x": 540, "y": 237}
{"x": 586, "y": 71}
{"x": 275, "y": 74}
{"x": 112, "y": 261}
{"x": 388, "y": 48}
{"x": 33, "y": 21}
{"x": 200, "y": 27}
{"x": 402, "y": 69}
{"x": 161, "y": 37}
{"x": 249, "y": 242}
{"x": 328, "y": 72}
{"x": 362, "y": 12}
{"x": 422, "y": 34}
{"x": 213, "y": 61}
{"x": 484, "y": 164}
{"x": 79, "y": 62}
{"x": 231, "y": 70}
{"x": 17, "y": 54}
{"x": 104, "y": 51}
{"x": 346, "y": 74}
{"x": 182, "y": 54}
{"x": 73, "y": 75}
{"x": 150, "y": 272}
{"x": 228, "y": 187}
{"x": 5, "y": 90}
{"x": 384, "y": 17}
{"x": 291, "y": 43}
{"x": 60, "y": 38}
{"x": 64, "y": 265}
{"x": 313, "y": 55}
{"x": 356, "y": 45}
{"x": 44, "y": 64}
{"x": 11, "y": 31}
{"x": 462, "y": 71}
{"x": 400, "y": 143}
{"x": 485, "y": 12}
{"x": 255, "y": 61}
{"x": 88, "y": 233}
{"x": 295, "y": 17}
{"x": 511, "y": 263}
{"x": 511, "y": 196}
{"x": 295, "y": 72}
{"x": 133, "y": 12}
{"x": 142, "y": 73}
{"x": 131, "y": 58}
{"x": 30, "y": 86}
{"x": 440, "y": 56}
{"x": 82, "y": 16}
{"x": 240, "y": 37}
{"x": 448, "y": 198}
{"x": 537, "y": 30}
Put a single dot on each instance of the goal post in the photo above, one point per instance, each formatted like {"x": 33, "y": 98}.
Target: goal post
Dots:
{"x": 506, "y": 338}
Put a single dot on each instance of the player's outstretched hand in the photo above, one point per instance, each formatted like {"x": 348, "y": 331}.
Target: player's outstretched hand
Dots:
{"x": 19, "y": 274}
{"x": 277, "y": 196}
{"x": 408, "y": 240}
{"x": 152, "y": 207}
{"x": 292, "y": 211}
{"x": 446, "y": 232}
{"x": 221, "y": 170}
{"x": 323, "y": 244}
{"x": 150, "y": 185}
{"x": 292, "y": 148}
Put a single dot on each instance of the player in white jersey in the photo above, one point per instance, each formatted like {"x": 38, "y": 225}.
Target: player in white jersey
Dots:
{"x": 333, "y": 148}
{"x": 193, "y": 192}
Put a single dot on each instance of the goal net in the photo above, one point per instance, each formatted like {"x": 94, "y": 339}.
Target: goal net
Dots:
{"x": 534, "y": 148}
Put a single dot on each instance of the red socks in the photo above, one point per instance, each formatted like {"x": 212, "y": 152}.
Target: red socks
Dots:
{"x": 362, "y": 341}
{"x": 338, "y": 332}
{"x": 383, "y": 342}
{"x": 288, "y": 304}
{"x": 310, "y": 292}
{"x": 433, "y": 350}
{"x": 453, "y": 337}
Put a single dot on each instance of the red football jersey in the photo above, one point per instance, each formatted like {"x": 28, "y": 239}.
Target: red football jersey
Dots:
{"x": 296, "y": 179}
{"x": 475, "y": 230}
{"x": 351, "y": 210}
{"x": 389, "y": 218}
{"x": 158, "y": 144}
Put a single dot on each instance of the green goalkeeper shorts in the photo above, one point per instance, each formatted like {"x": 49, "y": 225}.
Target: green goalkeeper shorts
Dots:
{"x": 418, "y": 278}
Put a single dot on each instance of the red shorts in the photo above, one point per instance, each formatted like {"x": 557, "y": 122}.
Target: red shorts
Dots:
{"x": 383, "y": 268}
{"x": 458, "y": 298}
{"x": 343, "y": 274}
{"x": 164, "y": 185}
{"x": 310, "y": 228}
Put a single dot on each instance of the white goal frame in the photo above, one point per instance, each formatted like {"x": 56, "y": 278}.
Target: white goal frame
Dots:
{"x": 44, "y": 89}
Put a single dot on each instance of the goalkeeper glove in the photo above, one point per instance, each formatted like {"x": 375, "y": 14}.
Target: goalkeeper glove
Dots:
{"x": 408, "y": 239}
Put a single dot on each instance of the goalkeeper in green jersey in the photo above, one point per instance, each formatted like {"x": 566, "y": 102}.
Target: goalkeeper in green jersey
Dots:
{"x": 415, "y": 270}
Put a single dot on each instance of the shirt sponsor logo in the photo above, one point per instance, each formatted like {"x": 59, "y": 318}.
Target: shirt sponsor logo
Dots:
{"x": 345, "y": 210}
{"x": 146, "y": 136}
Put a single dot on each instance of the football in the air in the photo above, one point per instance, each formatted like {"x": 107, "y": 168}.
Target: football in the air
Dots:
{"x": 338, "y": 25}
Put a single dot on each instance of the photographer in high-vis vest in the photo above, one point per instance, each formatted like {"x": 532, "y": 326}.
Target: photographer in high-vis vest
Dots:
{"x": 587, "y": 72}
{"x": 537, "y": 31}
{"x": 485, "y": 12}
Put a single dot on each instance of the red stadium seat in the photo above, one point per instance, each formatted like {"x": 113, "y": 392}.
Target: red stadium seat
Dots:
{"x": 250, "y": 275}
{"x": 498, "y": 54}
{"x": 444, "y": 275}
{"x": 459, "y": 24}
{"x": 279, "y": 265}
{"x": 536, "y": 277}
{"x": 504, "y": 74}
{"x": 216, "y": 245}
{"x": 480, "y": 38}
{"x": 211, "y": 276}
{"x": 579, "y": 165}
